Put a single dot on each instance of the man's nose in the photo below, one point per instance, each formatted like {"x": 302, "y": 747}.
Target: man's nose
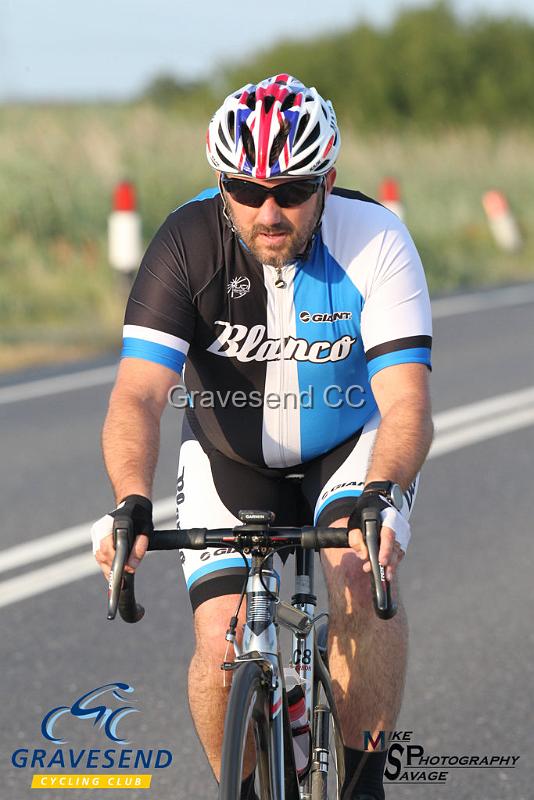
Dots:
{"x": 269, "y": 213}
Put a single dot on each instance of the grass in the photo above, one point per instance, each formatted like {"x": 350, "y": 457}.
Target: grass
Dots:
{"x": 59, "y": 166}
{"x": 442, "y": 179}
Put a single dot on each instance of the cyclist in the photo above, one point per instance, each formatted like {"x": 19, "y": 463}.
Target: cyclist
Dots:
{"x": 303, "y": 312}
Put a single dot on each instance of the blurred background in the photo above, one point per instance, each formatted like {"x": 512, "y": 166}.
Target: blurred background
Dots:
{"x": 436, "y": 97}
{"x": 436, "y": 105}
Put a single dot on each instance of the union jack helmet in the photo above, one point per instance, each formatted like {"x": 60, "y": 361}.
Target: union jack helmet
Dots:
{"x": 275, "y": 128}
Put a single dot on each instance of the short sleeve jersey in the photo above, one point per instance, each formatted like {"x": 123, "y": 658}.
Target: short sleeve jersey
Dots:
{"x": 278, "y": 371}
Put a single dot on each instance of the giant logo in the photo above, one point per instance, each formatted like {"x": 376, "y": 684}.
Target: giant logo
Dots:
{"x": 307, "y": 316}
{"x": 251, "y": 344}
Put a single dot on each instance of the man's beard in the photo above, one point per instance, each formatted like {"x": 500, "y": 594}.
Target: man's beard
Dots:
{"x": 276, "y": 256}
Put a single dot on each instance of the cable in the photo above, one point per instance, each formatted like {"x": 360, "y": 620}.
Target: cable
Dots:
{"x": 233, "y": 622}
{"x": 264, "y": 559}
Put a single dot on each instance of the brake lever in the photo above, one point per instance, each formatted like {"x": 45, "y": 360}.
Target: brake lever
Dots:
{"x": 121, "y": 593}
{"x": 384, "y": 605}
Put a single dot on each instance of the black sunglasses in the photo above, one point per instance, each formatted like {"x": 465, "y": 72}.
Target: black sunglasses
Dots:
{"x": 287, "y": 195}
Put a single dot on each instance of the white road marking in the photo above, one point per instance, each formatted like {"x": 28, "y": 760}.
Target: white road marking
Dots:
{"x": 442, "y": 307}
{"x": 478, "y": 432}
{"x": 69, "y": 539}
{"x": 456, "y": 428}
{"x": 44, "y": 387}
{"x": 41, "y": 580}
{"x": 502, "y": 404}
{"x": 482, "y": 301}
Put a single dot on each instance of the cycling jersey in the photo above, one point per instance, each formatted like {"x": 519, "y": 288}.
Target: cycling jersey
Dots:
{"x": 279, "y": 362}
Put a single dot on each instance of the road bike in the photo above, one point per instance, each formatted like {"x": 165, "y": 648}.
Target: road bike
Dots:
{"x": 260, "y": 698}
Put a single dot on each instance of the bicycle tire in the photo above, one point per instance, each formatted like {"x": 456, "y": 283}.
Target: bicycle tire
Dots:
{"x": 323, "y": 697}
{"x": 248, "y": 703}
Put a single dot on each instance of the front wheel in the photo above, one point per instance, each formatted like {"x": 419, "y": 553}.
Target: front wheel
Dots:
{"x": 248, "y": 710}
{"x": 328, "y": 768}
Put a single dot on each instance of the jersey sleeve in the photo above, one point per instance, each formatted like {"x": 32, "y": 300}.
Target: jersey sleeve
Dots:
{"x": 396, "y": 321}
{"x": 160, "y": 314}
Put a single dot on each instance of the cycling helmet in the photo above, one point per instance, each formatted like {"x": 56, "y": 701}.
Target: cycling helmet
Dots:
{"x": 275, "y": 128}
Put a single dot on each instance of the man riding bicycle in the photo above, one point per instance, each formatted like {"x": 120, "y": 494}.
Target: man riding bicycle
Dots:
{"x": 303, "y": 313}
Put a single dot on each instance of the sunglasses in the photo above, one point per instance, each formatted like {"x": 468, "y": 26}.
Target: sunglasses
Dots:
{"x": 286, "y": 195}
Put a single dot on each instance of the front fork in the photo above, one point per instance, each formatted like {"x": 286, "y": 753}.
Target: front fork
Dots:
{"x": 260, "y": 636}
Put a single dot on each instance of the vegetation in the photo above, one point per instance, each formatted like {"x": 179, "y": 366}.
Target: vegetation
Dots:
{"x": 443, "y": 106}
{"x": 429, "y": 69}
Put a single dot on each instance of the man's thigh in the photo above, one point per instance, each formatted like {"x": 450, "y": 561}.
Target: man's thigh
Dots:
{"x": 211, "y": 620}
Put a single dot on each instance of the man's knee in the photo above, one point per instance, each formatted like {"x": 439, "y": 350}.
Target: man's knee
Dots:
{"x": 211, "y": 621}
{"x": 349, "y": 587}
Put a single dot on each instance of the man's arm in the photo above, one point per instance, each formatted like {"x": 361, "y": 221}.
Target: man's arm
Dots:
{"x": 402, "y": 443}
{"x": 130, "y": 439}
{"x": 405, "y": 432}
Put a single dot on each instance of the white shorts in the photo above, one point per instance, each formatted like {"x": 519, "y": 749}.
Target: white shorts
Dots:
{"x": 211, "y": 489}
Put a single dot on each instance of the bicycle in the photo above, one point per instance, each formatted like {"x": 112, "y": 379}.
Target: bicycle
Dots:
{"x": 258, "y": 695}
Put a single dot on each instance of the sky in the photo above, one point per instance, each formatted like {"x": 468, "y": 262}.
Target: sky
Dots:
{"x": 111, "y": 49}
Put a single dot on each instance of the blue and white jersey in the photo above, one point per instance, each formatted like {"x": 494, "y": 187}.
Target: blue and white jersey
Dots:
{"x": 278, "y": 371}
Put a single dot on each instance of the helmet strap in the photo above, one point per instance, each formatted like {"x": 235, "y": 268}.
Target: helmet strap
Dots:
{"x": 306, "y": 252}
{"x": 226, "y": 212}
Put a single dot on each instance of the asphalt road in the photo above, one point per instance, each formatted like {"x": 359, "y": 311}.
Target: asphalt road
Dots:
{"x": 467, "y": 583}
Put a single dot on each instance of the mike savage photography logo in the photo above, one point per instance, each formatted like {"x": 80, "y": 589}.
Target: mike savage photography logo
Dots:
{"x": 409, "y": 763}
{"x": 109, "y": 709}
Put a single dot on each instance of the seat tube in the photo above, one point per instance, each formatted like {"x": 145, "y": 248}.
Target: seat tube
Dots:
{"x": 260, "y": 632}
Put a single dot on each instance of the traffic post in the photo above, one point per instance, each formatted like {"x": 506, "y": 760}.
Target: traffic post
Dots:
{"x": 502, "y": 222}
{"x": 390, "y": 196}
{"x": 124, "y": 231}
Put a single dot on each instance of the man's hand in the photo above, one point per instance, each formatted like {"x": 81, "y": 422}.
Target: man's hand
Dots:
{"x": 139, "y": 509}
{"x": 390, "y": 554}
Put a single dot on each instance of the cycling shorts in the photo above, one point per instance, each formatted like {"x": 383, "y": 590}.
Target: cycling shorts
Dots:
{"x": 212, "y": 488}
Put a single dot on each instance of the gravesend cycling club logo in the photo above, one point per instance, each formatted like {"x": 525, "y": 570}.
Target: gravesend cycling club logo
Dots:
{"x": 83, "y": 709}
{"x": 238, "y": 287}
{"x": 109, "y": 709}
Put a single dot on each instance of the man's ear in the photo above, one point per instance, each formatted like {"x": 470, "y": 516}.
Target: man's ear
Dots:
{"x": 330, "y": 180}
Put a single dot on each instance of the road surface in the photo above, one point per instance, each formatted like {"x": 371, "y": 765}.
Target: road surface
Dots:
{"x": 467, "y": 579}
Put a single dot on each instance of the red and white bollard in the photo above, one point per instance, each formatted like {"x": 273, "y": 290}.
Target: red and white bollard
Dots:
{"x": 390, "y": 197}
{"x": 125, "y": 247}
{"x": 502, "y": 222}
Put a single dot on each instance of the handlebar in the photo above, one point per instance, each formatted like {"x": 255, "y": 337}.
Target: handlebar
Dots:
{"x": 254, "y": 534}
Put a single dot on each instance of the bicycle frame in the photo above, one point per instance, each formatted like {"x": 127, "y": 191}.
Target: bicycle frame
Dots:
{"x": 261, "y": 643}
{"x": 265, "y": 612}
